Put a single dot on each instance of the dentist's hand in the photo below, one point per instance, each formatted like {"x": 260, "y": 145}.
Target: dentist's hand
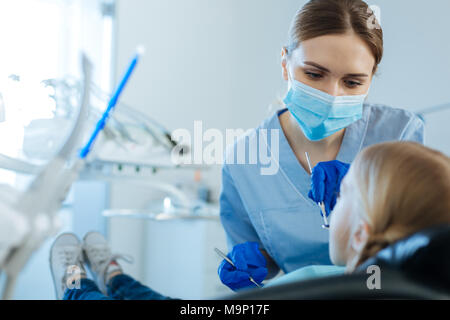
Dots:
{"x": 326, "y": 180}
{"x": 248, "y": 261}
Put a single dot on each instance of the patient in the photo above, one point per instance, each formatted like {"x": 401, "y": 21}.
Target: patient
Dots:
{"x": 391, "y": 191}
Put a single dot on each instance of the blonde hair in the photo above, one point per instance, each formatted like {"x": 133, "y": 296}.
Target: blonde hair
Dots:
{"x": 403, "y": 187}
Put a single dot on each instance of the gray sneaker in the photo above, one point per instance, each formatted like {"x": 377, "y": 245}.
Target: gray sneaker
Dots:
{"x": 66, "y": 263}
{"x": 99, "y": 259}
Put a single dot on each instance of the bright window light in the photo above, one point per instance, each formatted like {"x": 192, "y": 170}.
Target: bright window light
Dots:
{"x": 42, "y": 39}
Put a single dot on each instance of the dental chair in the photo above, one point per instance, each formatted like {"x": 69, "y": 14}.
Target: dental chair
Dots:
{"x": 416, "y": 267}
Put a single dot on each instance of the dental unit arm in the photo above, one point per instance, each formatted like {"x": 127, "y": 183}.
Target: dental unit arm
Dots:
{"x": 29, "y": 218}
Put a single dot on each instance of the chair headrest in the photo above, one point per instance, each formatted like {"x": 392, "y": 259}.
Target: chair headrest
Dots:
{"x": 425, "y": 256}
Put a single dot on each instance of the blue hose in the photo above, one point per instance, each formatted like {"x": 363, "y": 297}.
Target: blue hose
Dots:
{"x": 112, "y": 103}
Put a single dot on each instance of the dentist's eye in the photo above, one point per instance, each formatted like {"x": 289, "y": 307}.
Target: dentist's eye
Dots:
{"x": 352, "y": 84}
{"x": 313, "y": 75}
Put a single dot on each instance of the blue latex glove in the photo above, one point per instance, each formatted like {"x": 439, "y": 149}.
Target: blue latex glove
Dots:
{"x": 326, "y": 180}
{"x": 248, "y": 260}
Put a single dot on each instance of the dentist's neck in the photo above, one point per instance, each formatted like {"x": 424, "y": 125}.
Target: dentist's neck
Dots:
{"x": 325, "y": 145}
{"x": 322, "y": 150}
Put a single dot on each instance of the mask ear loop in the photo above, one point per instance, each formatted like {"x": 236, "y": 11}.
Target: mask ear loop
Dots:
{"x": 367, "y": 93}
{"x": 288, "y": 70}
{"x": 290, "y": 81}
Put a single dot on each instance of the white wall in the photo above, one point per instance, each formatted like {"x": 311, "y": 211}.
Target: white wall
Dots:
{"x": 415, "y": 71}
{"x": 216, "y": 61}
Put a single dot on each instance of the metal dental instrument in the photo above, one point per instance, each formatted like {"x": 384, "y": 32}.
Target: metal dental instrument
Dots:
{"x": 321, "y": 205}
{"x": 223, "y": 255}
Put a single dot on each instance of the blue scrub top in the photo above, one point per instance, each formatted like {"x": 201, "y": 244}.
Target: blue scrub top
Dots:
{"x": 274, "y": 210}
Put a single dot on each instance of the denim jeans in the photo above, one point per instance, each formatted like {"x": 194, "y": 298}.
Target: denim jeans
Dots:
{"x": 120, "y": 287}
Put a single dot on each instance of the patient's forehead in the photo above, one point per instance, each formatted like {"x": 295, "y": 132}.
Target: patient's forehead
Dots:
{"x": 348, "y": 183}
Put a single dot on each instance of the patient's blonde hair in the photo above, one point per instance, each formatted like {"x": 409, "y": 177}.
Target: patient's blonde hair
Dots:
{"x": 403, "y": 187}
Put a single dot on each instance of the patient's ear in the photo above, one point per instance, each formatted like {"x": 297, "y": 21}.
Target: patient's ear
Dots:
{"x": 360, "y": 236}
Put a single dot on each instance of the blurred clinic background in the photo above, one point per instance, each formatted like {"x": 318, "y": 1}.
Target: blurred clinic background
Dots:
{"x": 217, "y": 61}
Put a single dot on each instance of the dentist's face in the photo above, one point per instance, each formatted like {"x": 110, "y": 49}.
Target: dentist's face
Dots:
{"x": 336, "y": 64}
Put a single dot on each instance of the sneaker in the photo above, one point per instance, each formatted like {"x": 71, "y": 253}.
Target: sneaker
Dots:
{"x": 99, "y": 259}
{"x": 66, "y": 263}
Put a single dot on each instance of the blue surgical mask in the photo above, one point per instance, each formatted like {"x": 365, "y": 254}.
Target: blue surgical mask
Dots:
{"x": 319, "y": 114}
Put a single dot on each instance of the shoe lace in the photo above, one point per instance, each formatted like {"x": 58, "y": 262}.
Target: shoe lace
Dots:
{"x": 70, "y": 256}
{"x": 103, "y": 258}
{"x": 114, "y": 257}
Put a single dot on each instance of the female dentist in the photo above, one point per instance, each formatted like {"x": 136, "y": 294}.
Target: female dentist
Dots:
{"x": 272, "y": 222}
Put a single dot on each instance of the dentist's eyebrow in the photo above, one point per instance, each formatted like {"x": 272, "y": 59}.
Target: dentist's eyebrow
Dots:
{"x": 357, "y": 75}
{"x": 318, "y": 66}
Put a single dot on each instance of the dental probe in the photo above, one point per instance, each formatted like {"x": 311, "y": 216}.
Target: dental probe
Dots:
{"x": 321, "y": 205}
{"x": 223, "y": 255}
